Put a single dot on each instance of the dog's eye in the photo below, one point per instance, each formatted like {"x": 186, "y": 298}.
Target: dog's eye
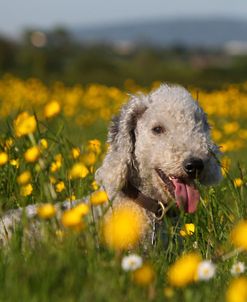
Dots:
{"x": 158, "y": 130}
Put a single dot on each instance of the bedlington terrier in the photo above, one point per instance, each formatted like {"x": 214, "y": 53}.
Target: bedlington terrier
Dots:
{"x": 159, "y": 145}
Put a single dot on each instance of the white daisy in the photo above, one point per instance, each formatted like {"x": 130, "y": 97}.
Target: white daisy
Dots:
{"x": 131, "y": 262}
{"x": 206, "y": 270}
{"x": 237, "y": 268}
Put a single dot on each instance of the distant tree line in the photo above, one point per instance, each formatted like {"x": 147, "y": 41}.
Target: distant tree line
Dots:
{"x": 61, "y": 57}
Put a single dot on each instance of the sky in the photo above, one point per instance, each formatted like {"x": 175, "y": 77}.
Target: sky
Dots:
{"x": 16, "y": 15}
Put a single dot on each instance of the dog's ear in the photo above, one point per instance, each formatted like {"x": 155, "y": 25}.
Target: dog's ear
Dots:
{"x": 121, "y": 139}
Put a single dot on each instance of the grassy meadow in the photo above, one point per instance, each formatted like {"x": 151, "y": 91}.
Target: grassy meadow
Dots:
{"x": 51, "y": 143}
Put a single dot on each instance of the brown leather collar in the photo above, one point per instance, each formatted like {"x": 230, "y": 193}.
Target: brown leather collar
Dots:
{"x": 158, "y": 208}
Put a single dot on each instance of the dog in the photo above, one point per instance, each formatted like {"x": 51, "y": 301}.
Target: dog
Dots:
{"x": 159, "y": 144}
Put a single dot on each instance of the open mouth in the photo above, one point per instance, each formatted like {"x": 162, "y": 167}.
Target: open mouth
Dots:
{"x": 182, "y": 190}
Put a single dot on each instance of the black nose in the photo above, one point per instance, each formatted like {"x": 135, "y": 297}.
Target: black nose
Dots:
{"x": 193, "y": 166}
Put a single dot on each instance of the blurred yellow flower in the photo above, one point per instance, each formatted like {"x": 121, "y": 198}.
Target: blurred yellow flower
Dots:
{"x": 26, "y": 190}
{"x": 187, "y": 230}
{"x": 75, "y": 152}
{"x": 238, "y": 182}
{"x": 51, "y": 109}
{"x": 24, "y": 124}
{"x": 82, "y": 209}
{"x": 60, "y": 186}
{"x": 144, "y": 275}
{"x": 58, "y": 158}
{"x": 32, "y": 154}
{"x": 52, "y": 179}
{"x": 15, "y": 162}
{"x": 98, "y": 198}
{"x": 216, "y": 135}
{"x": 89, "y": 159}
{"x": 24, "y": 177}
{"x": 72, "y": 219}
{"x": 46, "y": 211}
{"x": 123, "y": 228}
{"x": 3, "y": 158}
{"x": 43, "y": 143}
{"x": 72, "y": 197}
{"x": 237, "y": 290}
{"x": 54, "y": 167}
{"x": 94, "y": 185}
{"x": 78, "y": 170}
{"x": 238, "y": 235}
{"x": 94, "y": 145}
{"x": 230, "y": 128}
{"x": 184, "y": 270}
{"x": 9, "y": 143}
{"x": 57, "y": 164}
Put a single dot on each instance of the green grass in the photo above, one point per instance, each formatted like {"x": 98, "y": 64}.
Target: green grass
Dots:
{"x": 76, "y": 269}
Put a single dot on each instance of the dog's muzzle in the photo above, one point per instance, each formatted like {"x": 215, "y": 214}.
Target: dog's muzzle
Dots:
{"x": 193, "y": 167}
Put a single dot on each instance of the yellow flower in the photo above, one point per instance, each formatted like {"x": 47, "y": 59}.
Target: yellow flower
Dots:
{"x": 51, "y": 109}
{"x": 72, "y": 197}
{"x": 124, "y": 227}
{"x": 46, "y": 211}
{"x": 75, "y": 152}
{"x": 72, "y": 219}
{"x": 3, "y": 158}
{"x": 238, "y": 235}
{"x": 144, "y": 275}
{"x": 237, "y": 290}
{"x": 58, "y": 157}
{"x": 60, "y": 186}
{"x": 26, "y": 190}
{"x": 24, "y": 124}
{"x": 98, "y": 197}
{"x": 230, "y": 128}
{"x": 216, "y": 135}
{"x": 24, "y": 177}
{"x": 15, "y": 162}
{"x": 238, "y": 182}
{"x": 43, "y": 143}
{"x": 94, "y": 145}
{"x": 82, "y": 209}
{"x": 9, "y": 143}
{"x": 78, "y": 171}
{"x": 55, "y": 166}
{"x": 184, "y": 270}
{"x": 52, "y": 180}
{"x": 32, "y": 154}
{"x": 94, "y": 185}
{"x": 187, "y": 230}
{"x": 89, "y": 158}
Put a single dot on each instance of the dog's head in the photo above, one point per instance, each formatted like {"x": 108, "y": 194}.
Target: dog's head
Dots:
{"x": 161, "y": 143}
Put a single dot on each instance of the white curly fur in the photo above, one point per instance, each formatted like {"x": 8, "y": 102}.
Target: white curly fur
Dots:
{"x": 135, "y": 151}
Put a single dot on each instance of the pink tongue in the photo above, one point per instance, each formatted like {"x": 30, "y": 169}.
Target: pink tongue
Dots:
{"x": 186, "y": 195}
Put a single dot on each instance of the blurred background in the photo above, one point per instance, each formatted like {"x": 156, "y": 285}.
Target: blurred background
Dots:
{"x": 199, "y": 43}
